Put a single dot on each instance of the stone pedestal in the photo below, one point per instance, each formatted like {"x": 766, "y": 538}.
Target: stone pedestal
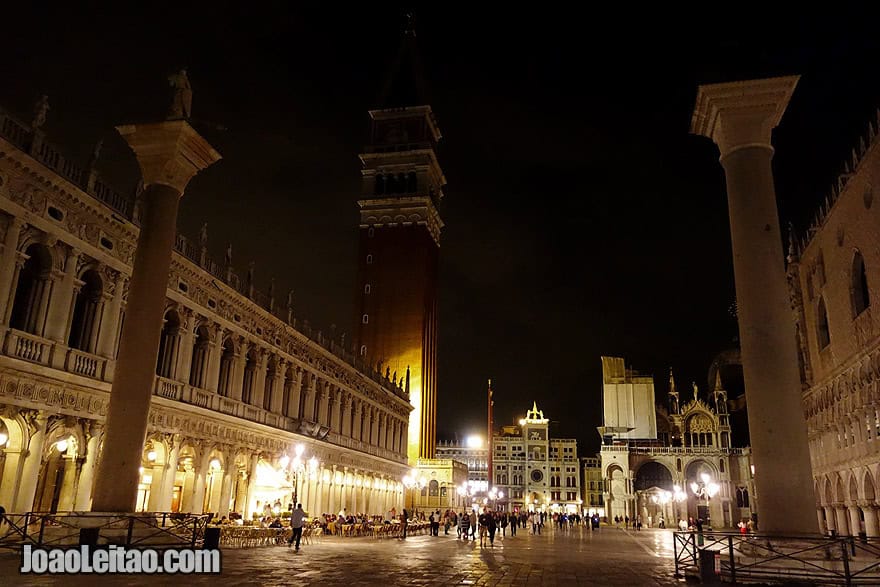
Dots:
{"x": 170, "y": 153}
{"x": 739, "y": 118}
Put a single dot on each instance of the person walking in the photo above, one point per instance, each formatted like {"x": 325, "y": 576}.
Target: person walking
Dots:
{"x": 405, "y": 519}
{"x": 492, "y": 526}
{"x": 514, "y": 522}
{"x": 473, "y": 518}
{"x": 464, "y": 524}
{"x": 485, "y": 517}
{"x": 297, "y": 519}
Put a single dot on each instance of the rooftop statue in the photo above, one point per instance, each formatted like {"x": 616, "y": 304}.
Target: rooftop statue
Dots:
{"x": 181, "y": 104}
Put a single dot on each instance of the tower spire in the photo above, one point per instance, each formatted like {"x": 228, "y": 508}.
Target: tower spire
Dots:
{"x": 404, "y": 83}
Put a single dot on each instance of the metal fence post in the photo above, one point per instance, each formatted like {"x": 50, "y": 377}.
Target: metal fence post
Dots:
{"x": 732, "y": 559}
{"x": 843, "y": 550}
{"x": 130, "y": 530}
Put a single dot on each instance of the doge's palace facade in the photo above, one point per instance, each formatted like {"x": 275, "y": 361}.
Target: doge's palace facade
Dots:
{"x": 239, "y": 388}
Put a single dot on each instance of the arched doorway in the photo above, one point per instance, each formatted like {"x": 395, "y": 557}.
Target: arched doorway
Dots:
{"x": 653, "y": 487}
{"x": 56, "y": 483}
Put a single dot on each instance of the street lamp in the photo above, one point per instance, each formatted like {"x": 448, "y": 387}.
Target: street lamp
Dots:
{"x": 297, "y": 467}
{"x": 495, "y": 495}
{"x": 706, "y": 489}
{"x": 413, "y": 481}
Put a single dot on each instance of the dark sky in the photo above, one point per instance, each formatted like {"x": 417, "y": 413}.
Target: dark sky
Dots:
{"x": 581, "y": 217}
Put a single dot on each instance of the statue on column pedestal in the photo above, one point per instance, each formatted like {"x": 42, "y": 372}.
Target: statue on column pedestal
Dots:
{"x": 181, "y": 105}
{"x": 41, "y": 112}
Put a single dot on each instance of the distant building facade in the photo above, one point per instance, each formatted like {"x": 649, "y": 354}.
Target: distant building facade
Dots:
{"x": 691, "y": 444}
{"x": 833, "y": 276}
{"x": 239, "y": 383}
{"x": 593, "y": 487}
{"x": 531, "y": 470}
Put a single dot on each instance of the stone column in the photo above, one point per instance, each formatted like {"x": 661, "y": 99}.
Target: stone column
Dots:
{"x": 356, "y": 422}
{"x": 295, "y": 393}
{"x": 855, "y": 521}
{"x": 31, "y": 470}
{"x": 278, "y": 387}
{"x": 110, "y": 321}
{"x": 830, "y": 519}
{"x": 185, "y": 345}
{"x": 225, "y": 494}
{"x": 872, "y": 527}
{"x": 840, "y": 520}
{"x": 215, "y": 352}
{"x": 739, "y": 118}
{"x": 198, "y": 498}
{"x": 170, "y": 153}
{"x": 331, "y": 490}
{"x": 59, "y": 311}
{"x": 336, "y": 413}
{"x": 346, "y": 417}
{"x": 259, "y": 381}
{"x": 87, "y": 471}
{"x": 7, "y": 264}
{"x": 236, "y": 384}
{"x": 323, "y": 417}
{"x": 166, "y": 494}
{"x": 251, "y": 482}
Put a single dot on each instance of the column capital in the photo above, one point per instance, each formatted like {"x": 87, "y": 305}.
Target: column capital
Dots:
{"x": 743, "y": 113}
{"x": 169, "y": 153}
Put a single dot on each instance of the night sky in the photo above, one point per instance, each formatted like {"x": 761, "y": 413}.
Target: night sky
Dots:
{"x": 581, "y": 217}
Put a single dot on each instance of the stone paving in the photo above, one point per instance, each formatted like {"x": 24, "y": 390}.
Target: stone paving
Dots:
{"x": 608, "y": 557}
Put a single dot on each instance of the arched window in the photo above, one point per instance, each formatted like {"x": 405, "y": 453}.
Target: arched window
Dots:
{"x": 32, "y": 291}
{"x": 411, "y": 182}
{"x": 678, "y": 465}
{"x": 365, "y": 319}
{"x": 367, "y": 289}
{"x": 379, "y": 187}
{"x": 433, "y": 488}
{"x": 363, "y": 350}
{"x": 199, "y": 357}
{"x": 250, "y": 373}
{"x": 861, "y": 297}
{"x": 390, "y": 184}
{"x": 721, "y": 465}
{"x": 227, "y": 364}
{"x": 86, "y": 314}
{"x": 168, "y": 346}
{"x": 822, "y": 332}
{"x": 369, "y": 259}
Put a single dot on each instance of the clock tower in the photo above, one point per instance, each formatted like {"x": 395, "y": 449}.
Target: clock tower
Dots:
{"x": 399, "y": 248}
{"x": 537, "y": 443}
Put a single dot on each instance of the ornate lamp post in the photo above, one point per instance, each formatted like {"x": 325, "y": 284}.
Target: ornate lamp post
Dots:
{"x": 678, "y": 496}
{"x": 494, "y": 496}
{"x": 297, "y": 468}
{"x": 705, "y": 488}
{"x": 413, "y": 481}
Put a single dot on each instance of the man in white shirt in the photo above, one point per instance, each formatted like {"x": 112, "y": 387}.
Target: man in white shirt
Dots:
{"x": 297, "y": 518}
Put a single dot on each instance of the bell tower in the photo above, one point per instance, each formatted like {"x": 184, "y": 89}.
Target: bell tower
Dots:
{"x": 399, "y": 247}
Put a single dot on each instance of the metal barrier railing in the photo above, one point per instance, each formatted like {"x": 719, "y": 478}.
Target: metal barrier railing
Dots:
{"x": 64, "y": 529}
{"x": 815, "y": 560}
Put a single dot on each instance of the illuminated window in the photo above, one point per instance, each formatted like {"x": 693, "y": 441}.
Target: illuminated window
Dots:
{"x": 822, "y": 325}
